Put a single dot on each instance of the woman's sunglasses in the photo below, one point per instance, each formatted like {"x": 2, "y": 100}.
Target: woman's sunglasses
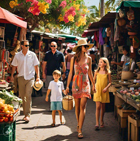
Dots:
{"x": 85, "y": 46}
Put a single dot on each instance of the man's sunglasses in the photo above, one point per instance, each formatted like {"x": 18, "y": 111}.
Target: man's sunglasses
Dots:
{"x": 85, "y": 46}
{"x": 26, "y": 45}
{"x": 53, "y": 46}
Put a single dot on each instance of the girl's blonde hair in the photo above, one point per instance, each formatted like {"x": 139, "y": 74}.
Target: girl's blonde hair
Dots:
{"x": 107, "y": 68}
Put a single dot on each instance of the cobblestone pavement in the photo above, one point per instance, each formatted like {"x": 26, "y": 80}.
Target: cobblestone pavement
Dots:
{"x": 39, "y": 129}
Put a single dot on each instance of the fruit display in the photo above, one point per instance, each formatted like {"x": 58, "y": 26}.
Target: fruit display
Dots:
{"x": 7, "y": 112}
{"x": 133, "y": 94}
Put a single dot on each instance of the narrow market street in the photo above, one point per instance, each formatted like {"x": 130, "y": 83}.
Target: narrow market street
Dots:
{"x": 39, "y": 129}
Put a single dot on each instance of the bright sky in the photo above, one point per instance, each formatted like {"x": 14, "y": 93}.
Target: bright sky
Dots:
{"x": 92, "y": 2}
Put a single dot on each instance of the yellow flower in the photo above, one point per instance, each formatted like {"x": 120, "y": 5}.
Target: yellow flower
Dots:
{"x": 76, "y": 6}
{"x": 81, "y": 21}
{"x": 43, "y": 6}
{"x": 13, "y": 4}
{"x": 60, "y": 18}
{"x": 47, "y": 6}
{"x": 71, "y": 18}
{"x": 85, "y": 10}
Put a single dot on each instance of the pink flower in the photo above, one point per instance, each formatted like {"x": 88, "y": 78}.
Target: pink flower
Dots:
{"x": 34, "y": 2}
{"x": 63, "y": 4}
{"x": 66, "y": 19}
{"x": 49, "y": 1}
{"x": 28, "y": 0}
{"x": 34, "y": 10}
{"x": 71, "y": 11}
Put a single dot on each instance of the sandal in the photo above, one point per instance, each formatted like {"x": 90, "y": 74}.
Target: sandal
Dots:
{"x": 97, "y": 128}
{"x": 62, "y": 123}
{"x": 102, "y": 125}
{"x": 80, "y": 135}
{"x": 26, "y": 119}
{"x": 53, "y": 125}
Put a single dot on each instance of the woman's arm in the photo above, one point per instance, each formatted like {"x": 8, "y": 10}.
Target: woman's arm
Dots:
{"x": 71, "y": 72}
{"x": 90, "y": 71}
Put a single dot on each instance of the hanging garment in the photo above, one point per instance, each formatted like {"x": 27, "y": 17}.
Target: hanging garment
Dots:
{"x": 101, "y": 40}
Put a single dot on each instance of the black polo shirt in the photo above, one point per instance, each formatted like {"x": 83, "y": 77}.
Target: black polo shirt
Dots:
{"x": 53, "y": 61}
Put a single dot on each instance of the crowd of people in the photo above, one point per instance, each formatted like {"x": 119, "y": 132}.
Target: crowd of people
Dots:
{"x": 79, "y": 69}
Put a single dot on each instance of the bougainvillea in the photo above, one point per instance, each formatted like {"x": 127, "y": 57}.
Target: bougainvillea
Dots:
{"x": 59, "y": 13}
{"x": 63, "y": 4}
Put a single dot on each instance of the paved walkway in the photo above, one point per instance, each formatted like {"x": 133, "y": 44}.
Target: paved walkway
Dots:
{"x": 39, "y": 129}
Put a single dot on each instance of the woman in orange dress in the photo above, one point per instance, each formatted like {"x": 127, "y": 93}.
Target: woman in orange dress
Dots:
{"x": 81, "y": 66}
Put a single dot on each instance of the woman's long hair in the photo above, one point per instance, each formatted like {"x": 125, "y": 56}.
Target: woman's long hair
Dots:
{"x": 107, "y": 67}
{"x": 77, "y": 54}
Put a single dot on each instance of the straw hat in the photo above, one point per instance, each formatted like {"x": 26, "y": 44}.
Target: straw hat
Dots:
{"x": 82, "y": 42}
{"x": 38, "y": 85}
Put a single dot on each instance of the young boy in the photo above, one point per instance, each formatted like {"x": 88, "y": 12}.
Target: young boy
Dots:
{"x": 56, "y": 88}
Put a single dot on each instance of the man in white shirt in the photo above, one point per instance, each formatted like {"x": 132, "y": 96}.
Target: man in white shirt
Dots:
{"x": 27, "y": 64}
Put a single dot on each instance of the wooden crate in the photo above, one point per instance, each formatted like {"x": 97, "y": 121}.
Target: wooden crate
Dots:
{"x": 123, "y": 114}
{"x": 133, "y": 129}
{"x": 118, "y": 101}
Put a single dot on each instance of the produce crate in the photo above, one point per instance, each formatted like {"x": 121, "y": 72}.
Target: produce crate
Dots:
{"x": 9, "y": 117}
{"x": 8, "y": 131}
{"x": 16, "y": 104}
{"x": 133, "y": 129}
{"x": 123, "y": 121}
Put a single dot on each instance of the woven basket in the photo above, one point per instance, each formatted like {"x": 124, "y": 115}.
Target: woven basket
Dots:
{"x": 68, "y": 102}
{"x": 127, "y": 75}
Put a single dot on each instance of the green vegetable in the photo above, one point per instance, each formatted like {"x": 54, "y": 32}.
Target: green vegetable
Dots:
{"x": 9, "y": 97}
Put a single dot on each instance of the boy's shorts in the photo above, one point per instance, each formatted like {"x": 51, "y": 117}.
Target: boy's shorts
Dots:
{"x": 56, "y": 105}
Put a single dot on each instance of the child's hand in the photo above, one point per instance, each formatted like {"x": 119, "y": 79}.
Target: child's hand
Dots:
{"x": 67, "y": 90}
{"x": 64, "y": 92}
{"x": 93, "y": 89}
{"x": 46, "y": 98}
{"x": 104, "y": 90}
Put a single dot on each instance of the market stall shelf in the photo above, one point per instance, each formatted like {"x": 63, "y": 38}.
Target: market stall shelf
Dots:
{"x": 122, "y": 96}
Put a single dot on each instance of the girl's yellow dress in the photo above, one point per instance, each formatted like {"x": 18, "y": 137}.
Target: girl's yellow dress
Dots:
{"x": 101, "y": 83}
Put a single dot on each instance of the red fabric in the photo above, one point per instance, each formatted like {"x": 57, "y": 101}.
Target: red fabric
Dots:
{"x": 8, "y": 17}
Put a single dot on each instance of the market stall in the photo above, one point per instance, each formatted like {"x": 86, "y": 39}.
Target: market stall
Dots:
{"x": 126, "y": 87}
{"x": 10, "y": 24}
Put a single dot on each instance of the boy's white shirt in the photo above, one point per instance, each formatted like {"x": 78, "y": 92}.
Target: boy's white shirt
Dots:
{"x": 56, "y": 90}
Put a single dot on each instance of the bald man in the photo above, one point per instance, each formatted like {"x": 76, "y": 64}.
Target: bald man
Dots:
{"x": 53, "y": 60}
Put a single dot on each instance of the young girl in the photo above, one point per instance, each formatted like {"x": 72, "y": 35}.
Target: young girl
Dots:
{"x": 81, "y": 66}
{"x": 102, "y": 77}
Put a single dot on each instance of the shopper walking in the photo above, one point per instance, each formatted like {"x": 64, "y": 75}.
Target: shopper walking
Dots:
{"x": 56, "y": 88}
{"x": 53, "y": 60}
{"x": 102, "y": 77}
{"x": 81, "y": 66}
{"x": 27, "y": 64}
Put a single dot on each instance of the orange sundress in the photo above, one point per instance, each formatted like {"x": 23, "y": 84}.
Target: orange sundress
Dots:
{"x": 81, "y": 85}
